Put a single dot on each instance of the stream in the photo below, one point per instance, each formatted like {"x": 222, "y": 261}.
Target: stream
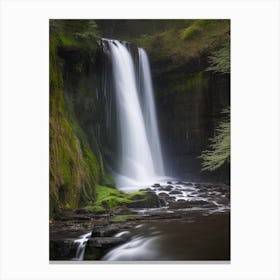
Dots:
{"x": 193, "y": 223}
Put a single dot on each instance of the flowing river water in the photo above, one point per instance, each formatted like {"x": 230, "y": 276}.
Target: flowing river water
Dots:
{"x": 193, "y": 223}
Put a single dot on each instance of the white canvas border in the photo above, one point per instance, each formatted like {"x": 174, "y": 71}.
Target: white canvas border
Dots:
{"x": 255, "y": 138}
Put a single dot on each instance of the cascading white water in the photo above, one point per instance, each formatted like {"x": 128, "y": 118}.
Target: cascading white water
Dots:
{"x": 140, "y": 161}
{"x": 82, "y": 242}
{"x": 149, "y": 111}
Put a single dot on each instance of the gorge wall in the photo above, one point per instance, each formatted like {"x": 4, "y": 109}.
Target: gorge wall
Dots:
{"x": 76, "y": 163}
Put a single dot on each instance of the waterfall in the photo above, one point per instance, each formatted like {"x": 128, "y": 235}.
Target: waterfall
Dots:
{"x": 139, "y": 160}
{"x": 149, "y": 111}
{"x": 81, "y": 246}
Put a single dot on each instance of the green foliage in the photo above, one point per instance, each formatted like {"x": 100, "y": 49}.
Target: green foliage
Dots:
{"x": 108, "y": 197}
{"x": 107, "y": 181}
{"x": 88, "y": 39}
{"x": 197, "y": 27}
{"x": 79, "y": 35}
{"x": 179, "y": 46}
{"x": 219, "y": 148}
{"x": 123, "y": 218}
{"x": 127, "y": 29}
{"x": 220, "y": 60}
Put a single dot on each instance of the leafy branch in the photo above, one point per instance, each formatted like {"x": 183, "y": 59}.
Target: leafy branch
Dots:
{"x": 220, "y": 60}
{"x": 219, "y": 147}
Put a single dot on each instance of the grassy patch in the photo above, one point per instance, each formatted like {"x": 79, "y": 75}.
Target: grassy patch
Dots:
{"x": 68, "y": 41}
{"x": 108, "y": 198}
{"x": 198, "y": 26}
{"x": 123, "y": 218}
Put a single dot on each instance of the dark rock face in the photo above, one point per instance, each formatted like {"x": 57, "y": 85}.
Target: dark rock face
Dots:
{"x": 104, "y": 242}
{"x": 189, "y": 204}
{"x": 99, "y": 246}
{"x": 122, "y": 210}
{"x": 62, "y": 249}
{"x": 105, "y": 231}
{"x": 189, "y": 101}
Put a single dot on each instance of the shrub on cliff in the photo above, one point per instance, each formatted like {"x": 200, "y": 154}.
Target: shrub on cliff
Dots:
{"x": 220, "y": 60}
{"x": 219, "y": 148}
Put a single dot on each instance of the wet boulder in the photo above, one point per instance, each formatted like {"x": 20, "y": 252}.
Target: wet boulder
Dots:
{"x": 105, "y": 231}
{"x": 105, "y": 242}
{"x": 175, "y": 192}
{"x": 167, "y": 188}
{"x": 180, "y": 204}
{"x": 163, "y": 195}
{"x": 97, "y": 247}
{"x": 150, "y": 200}
{"x": 62, "y": 249}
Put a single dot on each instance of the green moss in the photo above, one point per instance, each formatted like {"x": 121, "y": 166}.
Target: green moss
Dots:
{"x": 199, "y": 80}
{"x": 198, "y": 26}
{"x": 95, "y": 209}
{"x": 123, "y": 218}
{"x": 75, "y": 169}
{"x": 137, "y": 195}
{"x": 68, "y": 41}
{"x": 67, "y": 206}
{"x": 201, "y": 37}
{"x": 79, "y": 35}
{"x": 108, "y": 197}
{"x": 107, "y": 181}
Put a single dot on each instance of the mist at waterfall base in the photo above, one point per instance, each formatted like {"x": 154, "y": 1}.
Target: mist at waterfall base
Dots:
{"x": 140, "y": 161}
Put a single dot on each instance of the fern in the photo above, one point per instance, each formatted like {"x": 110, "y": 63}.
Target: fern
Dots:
{"x": 220, "y": 60}
{"x": 219, "y": 148}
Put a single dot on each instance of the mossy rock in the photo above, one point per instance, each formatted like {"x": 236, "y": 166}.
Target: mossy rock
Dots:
{"x": 95, "y": 209}
{"x": 108, "y": 198}
{"x": 149, "y": 200}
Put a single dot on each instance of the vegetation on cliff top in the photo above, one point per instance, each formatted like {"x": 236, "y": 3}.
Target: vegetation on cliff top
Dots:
{"x": 182, "y": 45}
